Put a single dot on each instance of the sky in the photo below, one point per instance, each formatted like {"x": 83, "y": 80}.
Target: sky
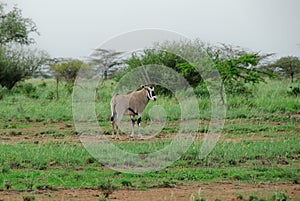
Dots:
{"x": 74, "y": 28}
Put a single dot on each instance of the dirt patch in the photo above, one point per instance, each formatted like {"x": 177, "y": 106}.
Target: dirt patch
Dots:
{"x": 212, "y": 191}
{"x": 64, "y": 132}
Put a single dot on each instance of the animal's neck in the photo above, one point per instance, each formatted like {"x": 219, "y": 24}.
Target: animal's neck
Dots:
{"x": 144, "y": 94}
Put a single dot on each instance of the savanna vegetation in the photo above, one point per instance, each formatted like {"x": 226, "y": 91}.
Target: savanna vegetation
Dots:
{"x": 41, "y": 150}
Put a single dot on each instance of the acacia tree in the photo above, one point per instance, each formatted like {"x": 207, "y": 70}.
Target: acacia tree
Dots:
{"x": 104, "y": 60}
{"x": 67, "y": 70}
{"x": 236, "y": 65}
{"x": 289, "y": 65}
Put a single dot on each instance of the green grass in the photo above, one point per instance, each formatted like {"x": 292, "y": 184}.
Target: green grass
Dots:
{"x": 71, "y": 166}
{"x": 259, "y": 142}
{"x": 269, "y": 100}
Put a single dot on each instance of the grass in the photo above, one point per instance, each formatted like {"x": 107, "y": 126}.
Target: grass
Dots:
{"x": 71, "y": 166}
{"x": 263, "y": 104}
{"x": 259, "y": 142}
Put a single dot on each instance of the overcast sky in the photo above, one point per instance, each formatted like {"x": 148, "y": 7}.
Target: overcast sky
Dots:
{"x": 73, "y": 28}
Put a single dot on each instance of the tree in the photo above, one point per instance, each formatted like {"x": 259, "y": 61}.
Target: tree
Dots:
{"x": 104, "y": 60}
{"x": 67, "y": 69}
{"x": 237, "y": 66}
{"x": 14, "y": 27}
{"x": 161, "y": 56}
{"x": 290, "y": 66}
{"x": 234, "y": 65}
{"x": 17, "y": 62}
{"x": 20, "y": 63}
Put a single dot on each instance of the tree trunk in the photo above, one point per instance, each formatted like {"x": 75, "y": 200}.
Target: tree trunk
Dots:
{"x": 57, "y": 82}
{"x": 222, "y": 91}
{"x": 292, "y": 76}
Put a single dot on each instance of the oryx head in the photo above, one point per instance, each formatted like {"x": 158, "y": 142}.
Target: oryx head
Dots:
{"x": 150, "y": 92}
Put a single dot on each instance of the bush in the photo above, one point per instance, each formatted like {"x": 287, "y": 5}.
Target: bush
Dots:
{"x": 28, "y": 198}
{"x": 107, "y": 188}
{"x": 201, "y": 90}
{"x": 278, "y": 196}
{"x": 69, "y": 87}
{"x": 237, "y": 88}
{"x": 294, "y": 91}
{"x": 19, "y": 64}
{"x": 29, "y": 90}
{"x": 50, "y": 95}
{"x": 3, "y": 91}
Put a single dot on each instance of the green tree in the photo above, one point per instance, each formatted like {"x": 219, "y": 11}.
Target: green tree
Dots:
{"x": 17, "y": 62}
{"x": 163, "y": 57}
{"x": 290, "y": 66}
{"x": 67, "y": 70}
{"x": 14, "y": 27}
{"x": 104, "y": 60}
{"x": 237, "y": 66}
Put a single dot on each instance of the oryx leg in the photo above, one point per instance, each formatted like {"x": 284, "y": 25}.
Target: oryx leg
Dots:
{"x": 139, "y": 124}
{"x": 117, "y": 136}
{"x": 132, "y": 125}
{"x": 112, "y": 125}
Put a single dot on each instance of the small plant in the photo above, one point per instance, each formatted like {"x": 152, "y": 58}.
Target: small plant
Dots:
{"x": 199, "y": 197}
{"x": 107, "y": 188}
{"x": 255, "y": 198}
{"x": 294, "y": 91}
{"x": 104, "y": 199}
{"x": 7, "y": 185}
{"x": 126, "y": 183}
{"x": 3, "y": 91}
{"x": 69, "y": 87}
{"x": 279, "y": 196}
{"x": 28, "y": 89}
{"x": 43, "y": 85}
{"x": 28, "y": 198}
{"x": 50, "y": 95}
{"x": 5, "y": 169}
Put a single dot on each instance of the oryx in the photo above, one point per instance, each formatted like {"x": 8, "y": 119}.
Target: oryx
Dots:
{"x": 132, "y": 104}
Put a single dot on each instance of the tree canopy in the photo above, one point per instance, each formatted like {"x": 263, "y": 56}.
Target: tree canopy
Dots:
{"x": 289, "y": 66}
{"x": 14, "y": 27}
{"x": 234, "y": 64}
{"x": 67, "y": 69}
{"x": 17, "y": 61}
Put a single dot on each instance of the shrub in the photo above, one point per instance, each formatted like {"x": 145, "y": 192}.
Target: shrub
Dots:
{"x": 50, "y": 95}
{"x": 279, "y": 196}
{"x": 29, "y": 90}
{"x": 107, "y": 188}
{"x": 3, "y": 91}
{"x": 28, "y": 198}
{"x": 294, "y": 91}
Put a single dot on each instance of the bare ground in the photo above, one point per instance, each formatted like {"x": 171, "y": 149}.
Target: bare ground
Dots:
{"x": 212, "y": 191}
